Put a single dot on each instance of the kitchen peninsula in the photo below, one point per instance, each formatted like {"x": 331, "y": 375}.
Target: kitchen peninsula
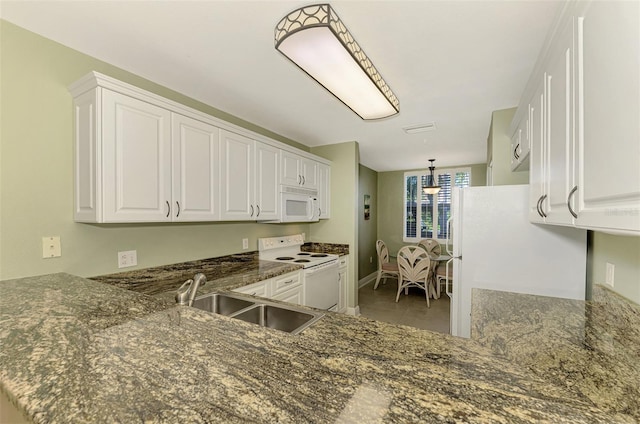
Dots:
{"x": 77, "y": 350}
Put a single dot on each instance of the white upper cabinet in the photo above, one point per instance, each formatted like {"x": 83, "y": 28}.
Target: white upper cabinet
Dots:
{"x": 607, "y": 194}
{"x": 299, "y": 171}
{"x": 237, "y": 153}
{"x": 123, "y": 173}
{"x": 585, "y": 143}
{"x": 324, "y": 190}
{"x": 196, "y": 170}
{"x": 559, "y": 79}
{"x": 142, "y": 158}
{"x": 267, "y": 172}
{"x": 250, "y": 175}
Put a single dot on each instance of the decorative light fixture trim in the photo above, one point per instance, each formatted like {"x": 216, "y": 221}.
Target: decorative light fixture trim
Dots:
{"x": 310, "y": 37}
{"x": 432, "y": 188}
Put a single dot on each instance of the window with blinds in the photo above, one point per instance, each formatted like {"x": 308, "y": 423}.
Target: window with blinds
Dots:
{"x": 426, "y": 215}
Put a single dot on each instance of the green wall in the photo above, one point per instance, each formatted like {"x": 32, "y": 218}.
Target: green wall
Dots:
{"x": 36, "y": 173}
{"x": 499, "y": 150}
{"x": 367, "y": 229}
{"x": 342, "y": 227}
{"x": 624, "y": 253}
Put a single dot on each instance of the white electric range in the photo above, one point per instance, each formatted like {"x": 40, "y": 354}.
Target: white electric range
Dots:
{"x": 320, "y": 270}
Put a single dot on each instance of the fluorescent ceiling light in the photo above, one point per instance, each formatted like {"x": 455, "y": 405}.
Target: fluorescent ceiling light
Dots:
{"x": 420, "y": 128}
{"x": 315, "y": 39}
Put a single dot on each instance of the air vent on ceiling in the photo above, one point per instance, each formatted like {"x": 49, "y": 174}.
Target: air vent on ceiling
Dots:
{"x": 420, "y": 128}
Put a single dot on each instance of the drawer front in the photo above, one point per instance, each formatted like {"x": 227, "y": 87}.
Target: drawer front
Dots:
{"x": 293, "y": 295}
{"x": 285, "y": 282}
{"x": 258, "y": 289}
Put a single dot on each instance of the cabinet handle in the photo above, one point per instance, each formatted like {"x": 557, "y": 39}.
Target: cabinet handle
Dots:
{"x": 299, "y": 179}
{"x": 251, "y": 210}
{"x": 515, "y": 153}
{"x": 288, "y": 282}
{"x": 541, "y": 202}
{"x": 168, "y": 209}
{"x": 178, "y": 204}
{"x": 538, "y": 206}
{"x": 319, "y": 212}
{"x": 304, "y": 180}
{"x": 258, "y": 207}
{"x": 571, "y": 193}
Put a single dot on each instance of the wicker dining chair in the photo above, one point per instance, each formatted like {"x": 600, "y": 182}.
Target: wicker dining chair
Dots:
{"x": 386, "y": 269}
{"x": 414, "y": 264}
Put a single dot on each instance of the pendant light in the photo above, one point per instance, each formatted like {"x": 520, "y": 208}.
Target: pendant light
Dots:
{"x": 432, "y": 188}
{"x": 315, "y": 39}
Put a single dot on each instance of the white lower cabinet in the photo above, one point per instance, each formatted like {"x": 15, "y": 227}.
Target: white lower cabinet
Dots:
{"x": 286, "y": 288}
{"x": 260, "y": 289}
{"x": 343, "y": 280}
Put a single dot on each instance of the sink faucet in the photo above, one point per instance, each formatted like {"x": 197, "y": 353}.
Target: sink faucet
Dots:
{"x": 187, "y": 292}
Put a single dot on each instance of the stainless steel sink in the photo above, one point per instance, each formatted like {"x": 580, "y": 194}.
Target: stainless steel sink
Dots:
{"x": 221, "y": 304}
{"x": 281, "y": 317}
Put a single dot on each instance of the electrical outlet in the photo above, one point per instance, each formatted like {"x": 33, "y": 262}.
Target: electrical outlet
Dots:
{"x": 245, "y": 243}
{"x": 610, "y": 274}
{"x": 370, "y": 259}
{"x": 127, "y": 258}
{"x": 51, "y": 247}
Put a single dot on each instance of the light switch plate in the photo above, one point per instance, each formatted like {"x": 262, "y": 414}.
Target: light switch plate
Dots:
{"x": 51, "y": 247}
{"x": 245, "y": 243}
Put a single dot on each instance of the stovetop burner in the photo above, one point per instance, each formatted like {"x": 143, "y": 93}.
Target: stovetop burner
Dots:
{"x": 284, "y": 258}
{"x": 304, "y": 254}
{"x": 302, "y": 260}
{"x": 319, "y": 255}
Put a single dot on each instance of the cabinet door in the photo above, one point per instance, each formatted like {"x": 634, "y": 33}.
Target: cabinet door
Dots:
{"x": 237, "y": 153}
{"x": 290, "y": 169}
{"x": 324, "y": 190}
{"x": 290, "y": 296}
{"x": 608, "y": 176}
{"x": 267, "y": 181}
{"x": 309, "y": 171}
{"x": 136, "y": 160}
{"x": 196, "y": 170}
{"x": 537, "y": 155}
{"x": 559, "y": 128}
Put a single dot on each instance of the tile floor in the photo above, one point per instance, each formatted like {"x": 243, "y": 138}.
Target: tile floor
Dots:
{"x": 410, "y": 310}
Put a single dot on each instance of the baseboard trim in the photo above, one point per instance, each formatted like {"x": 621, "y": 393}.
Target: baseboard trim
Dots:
{"x": 353, "y": 311}
{"x": 368, "y": 279}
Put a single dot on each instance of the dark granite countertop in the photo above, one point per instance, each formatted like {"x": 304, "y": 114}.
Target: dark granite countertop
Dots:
{"x": 223, "y": 273}
{"x": 76, "y": 350}
{"x": 592, "y": 347}
{"x": 333, "y": 248}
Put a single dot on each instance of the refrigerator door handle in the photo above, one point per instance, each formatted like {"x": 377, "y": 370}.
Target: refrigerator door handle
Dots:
{"x": 447, "y": 246}
{"x": 447, "y": 287}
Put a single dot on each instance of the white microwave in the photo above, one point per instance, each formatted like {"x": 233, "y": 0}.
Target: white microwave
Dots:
{"x": 298, "y": 204}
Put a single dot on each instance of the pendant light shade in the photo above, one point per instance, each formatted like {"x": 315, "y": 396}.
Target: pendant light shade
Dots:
{"x": 315, "y": 39}
{"x": 432, "y": 188}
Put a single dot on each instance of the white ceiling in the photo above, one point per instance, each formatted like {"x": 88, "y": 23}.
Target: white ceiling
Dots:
{"x": 449, "y": 62}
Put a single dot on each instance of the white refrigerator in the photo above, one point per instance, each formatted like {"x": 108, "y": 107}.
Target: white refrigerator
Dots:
{"x": 494, "y": 246}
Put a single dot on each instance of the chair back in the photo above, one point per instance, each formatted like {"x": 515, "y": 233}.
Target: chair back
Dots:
{"x": 431, "y": 246}
{"x": 383, "y": 253}
{"x": 413, "y": 263}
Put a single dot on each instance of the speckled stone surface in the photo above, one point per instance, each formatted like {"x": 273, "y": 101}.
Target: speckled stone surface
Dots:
{"x": 333, "y": 248}
{"x": 75, "y": 350}
{"x": 223, "y": 273}
{"x": 589, "y": 347}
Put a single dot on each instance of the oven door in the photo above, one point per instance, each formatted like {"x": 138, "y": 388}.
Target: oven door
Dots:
{"x": 321, "y": 287}
{"x": 299, "y": 208}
